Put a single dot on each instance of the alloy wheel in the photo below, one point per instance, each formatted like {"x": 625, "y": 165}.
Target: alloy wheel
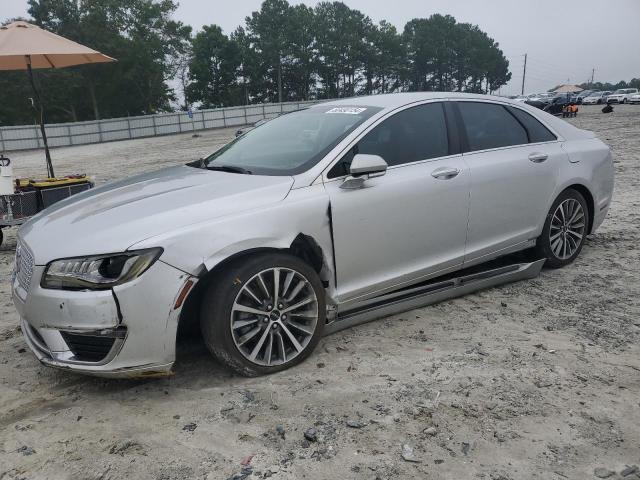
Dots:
{"x": 567, "y": 230}
{"x": 274, "y": 316}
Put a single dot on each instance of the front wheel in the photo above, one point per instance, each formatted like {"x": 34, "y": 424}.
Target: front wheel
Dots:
{"x": 565, "y": 229}
{"x": 264, "y": 314}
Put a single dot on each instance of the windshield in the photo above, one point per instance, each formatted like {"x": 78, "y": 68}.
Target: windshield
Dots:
{"x": 619, "y": 91}
{"x": 595, "y": 94}
{"x": 292, "y": 143}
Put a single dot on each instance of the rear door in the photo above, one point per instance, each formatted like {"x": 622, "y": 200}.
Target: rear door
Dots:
{"x": 514, "y": 163}
{"x": 412, "y": 221}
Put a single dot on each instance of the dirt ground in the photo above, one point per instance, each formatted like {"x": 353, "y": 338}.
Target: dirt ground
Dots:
{"x": 534, "y": 380}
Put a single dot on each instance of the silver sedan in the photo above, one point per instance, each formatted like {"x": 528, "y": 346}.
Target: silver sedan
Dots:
{"x": 315, "y": 221}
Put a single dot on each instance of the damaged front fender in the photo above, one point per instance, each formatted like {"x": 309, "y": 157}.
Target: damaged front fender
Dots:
{"x": 304, "y": 211}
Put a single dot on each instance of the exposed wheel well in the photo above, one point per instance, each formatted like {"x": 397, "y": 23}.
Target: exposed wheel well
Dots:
{"x": 303, "y": 247}
{"x": 584, "y": 191}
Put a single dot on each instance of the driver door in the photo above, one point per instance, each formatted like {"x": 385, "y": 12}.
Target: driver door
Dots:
{"x": 410, "y": 223}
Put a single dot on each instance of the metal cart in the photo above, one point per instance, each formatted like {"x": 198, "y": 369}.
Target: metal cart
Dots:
{"x": 23, "y": 198}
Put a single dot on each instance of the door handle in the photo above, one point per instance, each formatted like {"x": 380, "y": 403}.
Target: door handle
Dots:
{"x": 445, "y": 173}
{"x": 538, "y": 157}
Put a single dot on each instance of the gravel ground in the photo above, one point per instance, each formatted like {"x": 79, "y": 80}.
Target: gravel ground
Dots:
{"x": 534, "y": 380}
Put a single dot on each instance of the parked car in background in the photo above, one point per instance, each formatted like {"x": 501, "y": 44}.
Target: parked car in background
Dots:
{"x": 520, "y": 98}
{"x": 557, "y": 104}
{"x": 318, "y": 220}
{"x": 243, "y": 130}
{"x": 634, "y": 98}
{"x": 540, "y": 97}
{"x": 578, "y": 97}
{"x": 543, "y": 102}
{"x": 621, "y": 95}
{"x": 596, "y": 98}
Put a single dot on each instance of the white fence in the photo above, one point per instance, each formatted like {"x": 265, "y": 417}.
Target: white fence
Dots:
{"x": 64, "y": 134}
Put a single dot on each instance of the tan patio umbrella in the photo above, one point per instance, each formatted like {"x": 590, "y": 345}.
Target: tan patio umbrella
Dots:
{"x": 26, "y": 47}
{"x": 568, "y": 89}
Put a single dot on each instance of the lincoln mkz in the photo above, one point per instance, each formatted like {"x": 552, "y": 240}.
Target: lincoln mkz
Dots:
{"x": 317, "y": 220}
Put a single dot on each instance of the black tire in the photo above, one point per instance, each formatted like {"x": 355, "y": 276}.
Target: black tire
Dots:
{"x": 545, "y": 245}
{"x": 1, "y": 237}
{"x": 217, "y": 311}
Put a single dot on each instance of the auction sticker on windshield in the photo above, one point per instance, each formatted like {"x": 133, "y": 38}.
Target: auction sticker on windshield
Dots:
{"x": 347, "y": 110}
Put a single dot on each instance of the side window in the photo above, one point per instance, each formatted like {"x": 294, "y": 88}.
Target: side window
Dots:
{"x": 417, "y": 133}
{"x": 537, "y": 131}
{"x": 489, "y": 125}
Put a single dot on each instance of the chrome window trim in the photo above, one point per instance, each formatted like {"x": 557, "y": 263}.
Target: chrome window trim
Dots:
{"x": 508, "y": 147}
{"x": 323, "y": 176}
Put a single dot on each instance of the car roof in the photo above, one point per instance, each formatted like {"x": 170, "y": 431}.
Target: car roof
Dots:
{"x": 395, "y": 100}
{"x": 391, "y": 101}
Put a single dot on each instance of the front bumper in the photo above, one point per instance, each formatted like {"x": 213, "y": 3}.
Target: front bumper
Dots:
{"x": 125, "y": 332}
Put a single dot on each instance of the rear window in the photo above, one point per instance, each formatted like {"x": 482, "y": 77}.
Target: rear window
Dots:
{"x": 491, "y": 126}
{"x": 537, "y": 131}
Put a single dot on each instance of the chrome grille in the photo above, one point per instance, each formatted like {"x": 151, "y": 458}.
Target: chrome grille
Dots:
{"x": 24, "y": 266}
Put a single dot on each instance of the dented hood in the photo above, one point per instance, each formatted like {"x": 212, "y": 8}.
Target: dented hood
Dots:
{"x": 117, "y": 215}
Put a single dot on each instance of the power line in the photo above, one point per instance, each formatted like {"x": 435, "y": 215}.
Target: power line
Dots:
{"x": 524, "y": 73}
{"x": 547, "y": 64}
{"x": 533, "y": 66}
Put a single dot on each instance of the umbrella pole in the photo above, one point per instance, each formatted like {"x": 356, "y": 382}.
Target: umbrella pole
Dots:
{"x": 50, "y": 173}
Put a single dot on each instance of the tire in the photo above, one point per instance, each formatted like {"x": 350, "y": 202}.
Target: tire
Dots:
{"x": 561, "y": 242}
{"x": 251, "y": 344}
{"x": 1, "y": 237}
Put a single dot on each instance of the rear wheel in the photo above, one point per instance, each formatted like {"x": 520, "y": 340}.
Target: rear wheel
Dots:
{"x": 565, "y": 229}
{"x": 1, "y": 236}
{"x": 264, "y": 314}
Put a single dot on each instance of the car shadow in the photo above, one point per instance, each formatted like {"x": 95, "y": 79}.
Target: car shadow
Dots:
{"x": 196, "y": 368}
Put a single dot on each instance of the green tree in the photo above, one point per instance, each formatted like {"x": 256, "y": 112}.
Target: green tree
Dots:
{"x": 214, "y": 69}
{"x": 251, "y": 71}
{"x": 340, "y": 37}
{"x": 267, "y": 32}
{"x": 633, "y": 83}
{"x": 283, "y": 52}
{"x": 300, "y": 60}
{"x": 384, "y": 62}
{"x": 445, "y": 55}
{"x": 140, "y": 34}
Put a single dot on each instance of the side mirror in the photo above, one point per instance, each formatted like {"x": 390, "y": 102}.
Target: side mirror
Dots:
{"x": 364, "y": 167}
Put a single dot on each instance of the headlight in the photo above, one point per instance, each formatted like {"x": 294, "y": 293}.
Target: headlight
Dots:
{"x": 99, "y": 272}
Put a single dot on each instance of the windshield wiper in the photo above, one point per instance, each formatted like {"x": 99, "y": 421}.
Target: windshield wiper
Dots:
{"x": 229, "y": 168}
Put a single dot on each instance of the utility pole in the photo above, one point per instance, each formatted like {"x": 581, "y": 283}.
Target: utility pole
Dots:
{"x": 593, "y": 72}
{"x": 524, "y": 73}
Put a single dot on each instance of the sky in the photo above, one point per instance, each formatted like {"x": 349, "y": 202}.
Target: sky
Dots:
{"x": 565, "y": 40}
